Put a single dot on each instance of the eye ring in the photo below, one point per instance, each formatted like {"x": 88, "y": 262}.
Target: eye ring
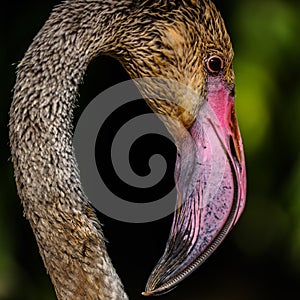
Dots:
{"x": 215, "y": 64}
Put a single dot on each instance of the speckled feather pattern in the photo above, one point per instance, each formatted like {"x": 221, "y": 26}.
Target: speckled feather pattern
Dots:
{"x": 163, "y": 38}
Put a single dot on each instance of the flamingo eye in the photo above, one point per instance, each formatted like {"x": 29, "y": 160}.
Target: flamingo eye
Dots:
{"x": 215, "y": 64}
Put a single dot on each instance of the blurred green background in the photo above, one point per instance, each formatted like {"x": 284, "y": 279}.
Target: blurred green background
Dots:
{"x": 261, "y": 257}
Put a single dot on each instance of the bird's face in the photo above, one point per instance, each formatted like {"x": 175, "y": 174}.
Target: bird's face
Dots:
{"x": 193, "y": 52}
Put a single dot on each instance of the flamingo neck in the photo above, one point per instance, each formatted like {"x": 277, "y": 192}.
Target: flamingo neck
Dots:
{"x": 68, "y": 234}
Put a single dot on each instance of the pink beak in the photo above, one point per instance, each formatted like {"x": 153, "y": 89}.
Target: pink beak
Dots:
{"x": 210, "y": 177}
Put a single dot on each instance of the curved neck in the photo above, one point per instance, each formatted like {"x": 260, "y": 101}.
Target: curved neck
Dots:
{"x": 67, "y": 231}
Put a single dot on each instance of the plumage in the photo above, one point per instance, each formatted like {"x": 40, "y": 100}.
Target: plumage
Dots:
{"x": 166, "y": 39}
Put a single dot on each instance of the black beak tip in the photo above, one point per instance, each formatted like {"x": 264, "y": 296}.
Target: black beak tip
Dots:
{"x": 158, "y": 291}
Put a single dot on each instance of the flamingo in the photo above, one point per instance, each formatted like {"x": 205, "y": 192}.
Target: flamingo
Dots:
{"x": 180, "y": 40}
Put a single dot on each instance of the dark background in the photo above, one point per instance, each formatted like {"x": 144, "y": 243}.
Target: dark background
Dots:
{"x": 260, "y": 259}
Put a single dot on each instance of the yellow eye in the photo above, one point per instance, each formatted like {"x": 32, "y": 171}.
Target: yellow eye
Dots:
{"x": 215, "y": 64}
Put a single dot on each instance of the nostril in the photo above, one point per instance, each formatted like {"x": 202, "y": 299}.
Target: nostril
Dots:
{"x": 232, "y": 148}
{"x": 235, "y": 155}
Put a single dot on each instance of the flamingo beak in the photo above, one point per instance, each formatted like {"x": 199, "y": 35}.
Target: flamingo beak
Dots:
{"x": 210, "y": 179}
